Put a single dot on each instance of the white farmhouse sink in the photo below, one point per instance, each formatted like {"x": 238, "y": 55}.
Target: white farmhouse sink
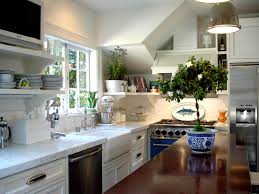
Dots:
{"x": 118, "y": 142}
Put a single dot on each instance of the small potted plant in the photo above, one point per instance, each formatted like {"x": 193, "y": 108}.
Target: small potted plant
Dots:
{"x": 196, "y": 78}
{"x": 91, "y": 102}
{"x": 116, "y": 70}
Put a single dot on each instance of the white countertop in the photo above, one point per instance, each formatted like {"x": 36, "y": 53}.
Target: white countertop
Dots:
{"x": 17, "y": 158}
{"x": 132, "y": 127}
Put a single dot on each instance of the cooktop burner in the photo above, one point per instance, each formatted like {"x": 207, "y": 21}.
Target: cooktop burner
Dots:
{"x": 171, "y": 122}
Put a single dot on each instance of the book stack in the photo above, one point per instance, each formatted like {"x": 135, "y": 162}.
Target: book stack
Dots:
{"x": 140, "y": 82}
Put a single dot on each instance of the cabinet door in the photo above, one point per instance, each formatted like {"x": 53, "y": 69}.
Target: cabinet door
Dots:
{"x": 123, "y": 170}
{"x": 109, "y": 179}
{"x": 244, "y": 45}
{"x": 59, "y": 188}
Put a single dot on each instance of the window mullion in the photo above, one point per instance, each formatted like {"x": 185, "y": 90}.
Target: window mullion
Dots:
{"x": 77, "y": 81}
{"x": 66, "y": 78}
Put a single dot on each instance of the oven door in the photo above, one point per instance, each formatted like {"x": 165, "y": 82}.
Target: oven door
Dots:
{"x": 157, "y": 145}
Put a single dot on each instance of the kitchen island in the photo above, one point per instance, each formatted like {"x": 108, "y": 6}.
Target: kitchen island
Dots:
{"x": 177, "y": 171}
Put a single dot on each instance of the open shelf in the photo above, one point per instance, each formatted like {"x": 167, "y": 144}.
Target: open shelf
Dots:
{"x": 30, "y": 92}
{"x": 27, "y": 54}
{"x": 130, "y": 94}
{"x": 223, "y": 92}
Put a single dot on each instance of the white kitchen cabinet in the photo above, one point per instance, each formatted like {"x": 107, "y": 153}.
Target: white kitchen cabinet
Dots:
{"x": 138, "y": 149}
{"x": 115, "y": 170}
{"x": 58, "y": 188}
{"x": 30, "y": 181}
{"x": 244, "y": 45}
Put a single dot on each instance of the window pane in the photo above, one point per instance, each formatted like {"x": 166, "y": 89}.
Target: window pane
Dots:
{"x": 57, "y": 71}
{"x": 72, "y": 58}
{"x": 72, "y": 99}
{"x": 83, "y": 95}
{"x": 59, "y": 64}
{"x": 82, "y": 79}
{"x": 48, "y": 70}
{"x": 72, "y": 78}
{"x": 82, "y": 60}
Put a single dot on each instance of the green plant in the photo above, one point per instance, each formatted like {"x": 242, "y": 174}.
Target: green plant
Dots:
{"x": 91, "y": 99}
{"x": 196, "y": 78}
{"x": 116, "y": 64}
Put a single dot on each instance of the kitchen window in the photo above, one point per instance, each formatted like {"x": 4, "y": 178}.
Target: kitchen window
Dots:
{"x": 74, "y": 65}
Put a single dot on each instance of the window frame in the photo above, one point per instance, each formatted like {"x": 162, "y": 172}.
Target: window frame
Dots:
{"x": 65, "y": 71}
{"x": 77, "y": 108}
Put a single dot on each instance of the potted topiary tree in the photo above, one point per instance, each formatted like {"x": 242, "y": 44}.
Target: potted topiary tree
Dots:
{"x": 116, "y": 70}
{"x": 197, "y": 79}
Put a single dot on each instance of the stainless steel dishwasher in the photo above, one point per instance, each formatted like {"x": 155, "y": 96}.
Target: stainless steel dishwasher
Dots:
{"x": 85, "y": 171}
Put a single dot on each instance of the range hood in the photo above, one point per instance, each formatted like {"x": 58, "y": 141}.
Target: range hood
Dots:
{"x": 167, "y": 61}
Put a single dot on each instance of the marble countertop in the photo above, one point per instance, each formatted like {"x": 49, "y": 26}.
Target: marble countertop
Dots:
{"x": 132, "y": 127}
{"x": 17, "y": 158}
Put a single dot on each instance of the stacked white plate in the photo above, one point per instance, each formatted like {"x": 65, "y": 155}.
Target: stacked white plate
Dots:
{"x": 6, "y": 79}
{"x": 52, "y": 82}
{"x": 34, "y": 80}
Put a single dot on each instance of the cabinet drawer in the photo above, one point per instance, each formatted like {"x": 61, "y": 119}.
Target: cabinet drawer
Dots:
{"x": 137, "y": 138}
{"x": 34, "y": 178}
{"x": 137, "y": 157}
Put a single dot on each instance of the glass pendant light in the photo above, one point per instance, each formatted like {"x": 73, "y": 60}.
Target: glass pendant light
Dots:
{"x": 223, "y": 19}
{"x": 212, "y": 1}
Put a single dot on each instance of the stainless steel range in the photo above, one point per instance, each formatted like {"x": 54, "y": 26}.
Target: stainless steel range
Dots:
{"x": 165, "y": 132}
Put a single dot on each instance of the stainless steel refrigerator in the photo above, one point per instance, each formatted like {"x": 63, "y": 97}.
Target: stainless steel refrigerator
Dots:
{"x": 244, "y": 109}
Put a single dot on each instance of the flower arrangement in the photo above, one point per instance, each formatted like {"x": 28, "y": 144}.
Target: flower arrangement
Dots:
{"x": 195, "y": 78}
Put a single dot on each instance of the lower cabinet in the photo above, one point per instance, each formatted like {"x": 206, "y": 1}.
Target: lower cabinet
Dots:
{"x": 138, "y": 149}
{"x": 50, "y": 178}
{"x": 115, "y": 170}
{"x": 58, "y": 188}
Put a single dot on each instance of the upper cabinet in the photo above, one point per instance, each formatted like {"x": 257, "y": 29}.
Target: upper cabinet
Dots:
{"x": 244, "y": 45}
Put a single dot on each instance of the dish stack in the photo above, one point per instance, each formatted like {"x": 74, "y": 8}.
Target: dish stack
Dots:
{"x": 6, "y": 79}
{"x": 52, "y": 82}
{"x": 35, "y": 80}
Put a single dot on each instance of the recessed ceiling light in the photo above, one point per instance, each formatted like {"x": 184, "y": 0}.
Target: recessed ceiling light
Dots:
{"x": 212, "y": 1}
{"x": 223, "y": 19}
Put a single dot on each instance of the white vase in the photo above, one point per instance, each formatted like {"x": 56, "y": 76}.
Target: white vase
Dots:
{"x": 115, "y": 85}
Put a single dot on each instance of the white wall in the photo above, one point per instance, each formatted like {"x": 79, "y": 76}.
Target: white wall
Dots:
{"x": 71, "y": 20}
{"x": 181, "y": 24}
{"x": 131, "y": 26}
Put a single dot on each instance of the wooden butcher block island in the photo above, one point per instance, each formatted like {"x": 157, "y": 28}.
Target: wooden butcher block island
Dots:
{"x": 177, "y": 171}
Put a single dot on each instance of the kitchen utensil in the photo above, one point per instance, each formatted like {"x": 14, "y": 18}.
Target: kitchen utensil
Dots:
{"x": 5, "y": 133}
{"x": 106, "y": 117}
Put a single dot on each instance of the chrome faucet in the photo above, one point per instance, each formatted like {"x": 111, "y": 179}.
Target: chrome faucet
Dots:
{"x": 54, "y": 117}
{"x": 56, "y": 135}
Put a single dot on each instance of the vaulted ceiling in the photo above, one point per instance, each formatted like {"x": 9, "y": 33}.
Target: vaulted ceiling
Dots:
{"x": 243, "y": 6}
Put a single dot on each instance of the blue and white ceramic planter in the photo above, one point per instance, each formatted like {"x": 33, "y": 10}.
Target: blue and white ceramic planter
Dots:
{"x": 201, "y": 142}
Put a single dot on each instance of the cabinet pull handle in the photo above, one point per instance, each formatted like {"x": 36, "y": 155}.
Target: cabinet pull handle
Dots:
{"x": 139, "y": 137}
{"x": 138, "y": 155}
{"x": 71, "y": 160}
{"x": 161, "y": 145}
{"x": 36, "y": 178}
